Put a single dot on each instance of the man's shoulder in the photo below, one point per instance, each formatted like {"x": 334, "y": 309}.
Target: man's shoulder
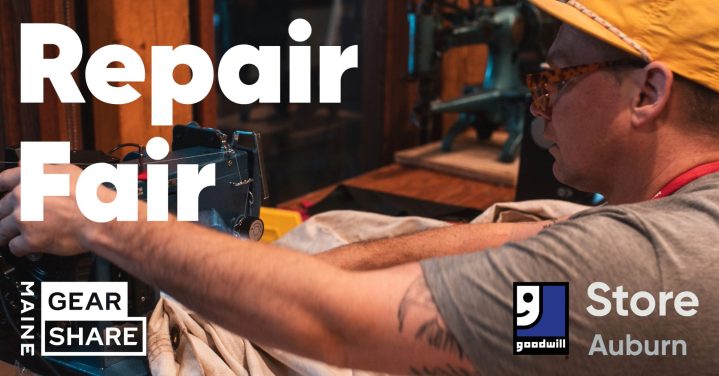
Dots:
{"x": 678, "y": 227}
{"x": 701, "y": 195}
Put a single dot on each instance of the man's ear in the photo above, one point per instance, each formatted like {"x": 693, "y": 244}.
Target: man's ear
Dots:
{"x": 655, "y": 86}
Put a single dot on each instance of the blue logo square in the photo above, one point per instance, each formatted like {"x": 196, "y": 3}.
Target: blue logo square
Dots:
{"x": 541, "y": 318}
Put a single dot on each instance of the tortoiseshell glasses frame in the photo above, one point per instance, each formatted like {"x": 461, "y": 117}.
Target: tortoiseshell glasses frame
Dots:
{"x": 540, "y": 83}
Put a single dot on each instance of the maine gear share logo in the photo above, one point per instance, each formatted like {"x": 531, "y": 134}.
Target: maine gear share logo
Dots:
{"x": 541, "y": 318}
{"x": 80, "y": 319}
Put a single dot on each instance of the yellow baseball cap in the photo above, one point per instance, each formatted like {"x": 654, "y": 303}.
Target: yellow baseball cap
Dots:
{"x": 684, "y": 34}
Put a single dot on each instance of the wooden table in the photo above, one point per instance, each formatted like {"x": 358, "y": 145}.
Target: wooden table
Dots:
{"x": 418, "y": 183}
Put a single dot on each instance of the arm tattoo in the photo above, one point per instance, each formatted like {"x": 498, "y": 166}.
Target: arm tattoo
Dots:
{"x": 449, "y": 370}
{"x": 416, "y": 296}
{"x": 417, "y": 302}
{"x": 438, "y": 336}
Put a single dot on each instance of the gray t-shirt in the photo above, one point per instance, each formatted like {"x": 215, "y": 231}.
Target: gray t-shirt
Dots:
{"x": 668, "y": 244}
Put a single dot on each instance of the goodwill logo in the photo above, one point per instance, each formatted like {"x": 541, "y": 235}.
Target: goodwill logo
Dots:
{"x": 81, "y": 319}
{"x": 541, "y": 318}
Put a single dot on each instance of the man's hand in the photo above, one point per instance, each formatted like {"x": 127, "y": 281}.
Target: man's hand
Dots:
{"x": 60, "y": 231}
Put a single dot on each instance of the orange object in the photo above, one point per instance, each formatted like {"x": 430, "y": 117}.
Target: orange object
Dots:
{"x": 278, "y": 222}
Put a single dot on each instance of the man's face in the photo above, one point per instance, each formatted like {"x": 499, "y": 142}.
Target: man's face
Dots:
{"x": 587, "y": 114}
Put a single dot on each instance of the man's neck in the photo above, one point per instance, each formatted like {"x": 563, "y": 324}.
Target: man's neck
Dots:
{"x": 641, "y": 187}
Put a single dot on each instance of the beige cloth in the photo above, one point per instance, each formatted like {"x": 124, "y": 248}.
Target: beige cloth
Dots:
{"x": 182, "y": 343}
{"x": 204, "y": 348}
{"x": 528, "y": 211}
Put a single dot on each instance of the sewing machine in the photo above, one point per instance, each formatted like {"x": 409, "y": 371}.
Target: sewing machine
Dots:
{"x": 517, "y": 35}
{"x": 231, "y": 206}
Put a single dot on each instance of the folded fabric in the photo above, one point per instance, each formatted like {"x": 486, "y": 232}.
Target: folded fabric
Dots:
{"x": 182, "y": 343}
{"x": 528, "y": 211}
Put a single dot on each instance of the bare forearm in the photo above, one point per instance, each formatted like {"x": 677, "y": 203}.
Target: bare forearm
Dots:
{"x": 270, "y": 295}
{"x": 280, "y": 298}
{"x": 443, "y": 241}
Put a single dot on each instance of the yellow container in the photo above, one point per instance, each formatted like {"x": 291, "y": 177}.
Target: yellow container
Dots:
{"x": 278, "y": 222}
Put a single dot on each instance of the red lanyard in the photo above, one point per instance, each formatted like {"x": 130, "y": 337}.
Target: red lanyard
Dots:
{"x": 686, "y": 178}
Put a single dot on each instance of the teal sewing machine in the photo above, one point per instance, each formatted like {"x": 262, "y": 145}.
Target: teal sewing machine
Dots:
{"x": 517, "y": 35}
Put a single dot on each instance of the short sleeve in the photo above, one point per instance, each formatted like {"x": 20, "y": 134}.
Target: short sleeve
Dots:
{"x": 474, "y": 292}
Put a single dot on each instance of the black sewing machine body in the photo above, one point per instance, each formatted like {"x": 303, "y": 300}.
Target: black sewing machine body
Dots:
{"x": 232, "y": 206}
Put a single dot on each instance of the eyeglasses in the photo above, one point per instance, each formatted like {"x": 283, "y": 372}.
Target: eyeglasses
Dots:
{"x": 540, "y": 83}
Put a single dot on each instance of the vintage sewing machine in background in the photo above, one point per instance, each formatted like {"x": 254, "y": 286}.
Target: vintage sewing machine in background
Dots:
{"x": 517, "y": 35}
{"x": 231, "y": 206}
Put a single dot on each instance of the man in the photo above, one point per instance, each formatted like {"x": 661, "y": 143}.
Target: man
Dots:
{"x": 624, "y": 129}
